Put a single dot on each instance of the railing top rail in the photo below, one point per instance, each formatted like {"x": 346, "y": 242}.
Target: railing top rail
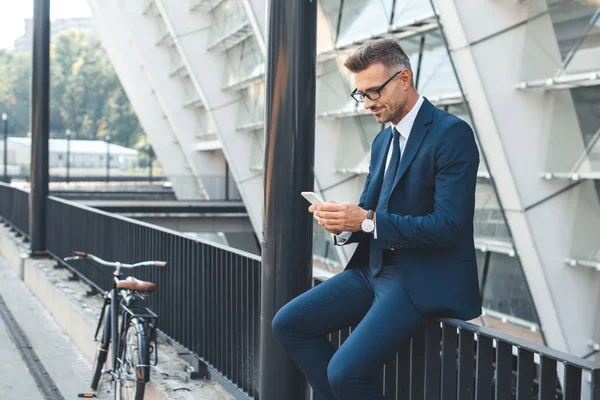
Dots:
{"x": 8, "y": 185}
{"x": 519, "y": 342}
{"x": 155, "y": 227}
{"x": 524, "y": 344}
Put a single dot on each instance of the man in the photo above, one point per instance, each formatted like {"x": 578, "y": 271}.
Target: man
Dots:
{"x": 415, "y": 258}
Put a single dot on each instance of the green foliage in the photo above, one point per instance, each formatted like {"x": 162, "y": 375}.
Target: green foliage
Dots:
{"x": 86, "y": 96}
{"x": 14, "y": 90}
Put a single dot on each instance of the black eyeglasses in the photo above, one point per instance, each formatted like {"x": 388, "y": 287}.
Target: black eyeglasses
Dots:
{"x": 372, "y": 94}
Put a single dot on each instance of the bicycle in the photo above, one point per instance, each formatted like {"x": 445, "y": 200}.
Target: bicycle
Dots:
{"x": 136, "y": 338}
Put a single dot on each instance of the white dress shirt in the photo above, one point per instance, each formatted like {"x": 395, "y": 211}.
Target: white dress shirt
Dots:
{"x": 404, "y": 127}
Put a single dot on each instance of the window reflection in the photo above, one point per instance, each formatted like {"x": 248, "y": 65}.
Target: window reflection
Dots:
{"x": 489, "y": 221}
{"x": 577, "y": 34}
{"x": 407, "y": 11}
{"x": 331, "y": 11}
{"x": 363, "y": 18}
{"x": 587, "y": 107}
{"x": 245, "y": 61}
{"x": 506, "y": 289}
{"x": 227, "y": 18}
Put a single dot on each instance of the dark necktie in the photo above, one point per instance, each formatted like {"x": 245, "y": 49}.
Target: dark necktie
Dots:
{"x": 390, "y": 174}
{"x": 384, "y": 196}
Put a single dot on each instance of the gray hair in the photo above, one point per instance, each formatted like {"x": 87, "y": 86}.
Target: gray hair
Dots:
{"x": 384, "y": 51}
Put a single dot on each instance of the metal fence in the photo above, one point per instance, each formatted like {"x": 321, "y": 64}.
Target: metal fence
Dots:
{"x": 185, "y": 187}
{"x": 208, "y": 301}
{"x": 451, "y": 359}
{"x": 14, "y": 208}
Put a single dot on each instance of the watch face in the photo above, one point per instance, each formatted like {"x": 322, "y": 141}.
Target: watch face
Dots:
{"x": 368, "y": 225}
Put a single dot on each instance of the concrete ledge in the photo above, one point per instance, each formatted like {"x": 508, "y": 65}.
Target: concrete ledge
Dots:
{"x": 77, "y": 314}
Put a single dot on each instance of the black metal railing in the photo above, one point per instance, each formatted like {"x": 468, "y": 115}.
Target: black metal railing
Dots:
{"x": 14, "y": 208}
{"x": 208, "y": 300}
{"x": 185, "y": 188}
{"x": 451, "y": 359}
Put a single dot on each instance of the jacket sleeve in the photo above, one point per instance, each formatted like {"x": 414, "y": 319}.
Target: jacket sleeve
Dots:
{"x": 457, "y": 161}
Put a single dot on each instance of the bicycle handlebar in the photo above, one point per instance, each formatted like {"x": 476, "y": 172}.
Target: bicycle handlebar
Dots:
{"x": 78, "y": 255}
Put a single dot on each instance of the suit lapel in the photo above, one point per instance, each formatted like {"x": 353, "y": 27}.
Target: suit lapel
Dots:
{"x": 379, "y": 168}
{"x": 417, "y": 134}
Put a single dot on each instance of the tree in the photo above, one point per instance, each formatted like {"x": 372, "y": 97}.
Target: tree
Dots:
{"x": 122, "y": 121}
{"x": 85, "y": 81}
{"x": 14, "y": 90}
{"x": 85, "y": 94}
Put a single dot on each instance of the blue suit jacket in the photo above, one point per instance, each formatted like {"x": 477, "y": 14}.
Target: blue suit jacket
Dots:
{"x": 429, "y": 222}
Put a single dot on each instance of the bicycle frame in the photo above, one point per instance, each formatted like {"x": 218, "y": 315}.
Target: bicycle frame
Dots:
{"x": 112, "y": 334}
{"x": 144, "y": 319}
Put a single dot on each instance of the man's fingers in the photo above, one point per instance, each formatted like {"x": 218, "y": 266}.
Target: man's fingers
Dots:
{"x": 328, "y": 214}
{"x": 330, "y": 207}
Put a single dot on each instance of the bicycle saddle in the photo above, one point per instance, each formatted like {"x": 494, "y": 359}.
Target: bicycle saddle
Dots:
{"x": 135, "y": 284}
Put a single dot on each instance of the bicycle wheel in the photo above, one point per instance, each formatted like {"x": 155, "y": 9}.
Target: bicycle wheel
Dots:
{"x": 133, "y": 369}
{"x": 101, "y": 351}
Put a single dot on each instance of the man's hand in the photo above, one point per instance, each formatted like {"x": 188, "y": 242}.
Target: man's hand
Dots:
{"x": 339, "y": 217}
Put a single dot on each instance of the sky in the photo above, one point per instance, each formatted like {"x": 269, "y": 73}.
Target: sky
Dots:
{"x": 14, "y": 12}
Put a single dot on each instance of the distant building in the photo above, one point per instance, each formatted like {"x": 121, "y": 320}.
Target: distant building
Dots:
{"x": 83, "y": 154}
{"x": 24, "y": 43}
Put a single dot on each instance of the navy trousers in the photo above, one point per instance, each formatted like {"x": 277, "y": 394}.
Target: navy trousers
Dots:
{"x": 386, "y": 318}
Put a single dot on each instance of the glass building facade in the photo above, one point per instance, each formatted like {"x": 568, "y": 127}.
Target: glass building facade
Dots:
{"x": 216, "y": 50}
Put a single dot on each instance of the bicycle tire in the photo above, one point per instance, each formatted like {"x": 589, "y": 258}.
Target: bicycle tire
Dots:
{"x": 101, "y": 352}
{"x": 134, "y": 353}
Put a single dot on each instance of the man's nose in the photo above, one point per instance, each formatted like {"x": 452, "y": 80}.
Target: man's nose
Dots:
{"x": 368, "y": 103}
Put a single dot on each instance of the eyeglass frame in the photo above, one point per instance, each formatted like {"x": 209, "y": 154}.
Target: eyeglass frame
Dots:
{"x": 378, "y": 90}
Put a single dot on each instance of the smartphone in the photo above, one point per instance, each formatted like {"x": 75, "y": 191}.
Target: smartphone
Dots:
{"x": 313, "y": 198}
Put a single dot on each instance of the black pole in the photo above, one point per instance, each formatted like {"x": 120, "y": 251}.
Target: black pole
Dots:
{"x": 107, "y": 139}
{"x": 421, "y": 49}
{"x": 5, "y": 129}
{"x": 40, "y": 98}
{"x": 288, "y": 170}
{"x": 68, "y": 155}
{"x": 150, "y": 162}
{"x": 226, "y": 180}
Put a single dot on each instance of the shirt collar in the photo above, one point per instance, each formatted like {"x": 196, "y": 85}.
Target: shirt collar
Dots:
{"x": 405, "y": 125}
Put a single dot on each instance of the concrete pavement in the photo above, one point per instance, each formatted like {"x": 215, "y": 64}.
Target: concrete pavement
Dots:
{"x": 15, "y": 380}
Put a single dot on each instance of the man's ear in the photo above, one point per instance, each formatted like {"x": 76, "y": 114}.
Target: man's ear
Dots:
{"x": 405, "y": 78}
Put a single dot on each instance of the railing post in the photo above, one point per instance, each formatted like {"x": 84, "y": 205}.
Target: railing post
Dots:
{"x": 288, "y": 170}
{"x": 226, "y": 180}
{"x": 595, "y": 386}
{"x": 5, "y": 129}
{"x": 40, "y": 98}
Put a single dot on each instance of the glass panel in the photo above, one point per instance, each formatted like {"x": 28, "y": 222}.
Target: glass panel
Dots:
{"x": 362, "y": 19}
{"x": 489, "y": 221}
{"x": 252, "y": 105}
{"x": 587, "y": 107}
{"x": 328, "y": 19}
{"x": 577, "y": 28}
{"x": 334, "y": 86}
{"x": 228, "y": 17}
{"x": 584, "y": 242}
{"x": 506, "y": 289}
{"x": 245, "y": 61}
{"x": 480, "y": 264}
{"x": 257, "y": 158}
{"x": 355, "y": 139}
{"x": 407, "y": 11}
{"x": 436, "y": 76}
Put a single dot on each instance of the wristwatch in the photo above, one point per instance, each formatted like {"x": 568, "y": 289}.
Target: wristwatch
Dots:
{"x": 368, "y": 225}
